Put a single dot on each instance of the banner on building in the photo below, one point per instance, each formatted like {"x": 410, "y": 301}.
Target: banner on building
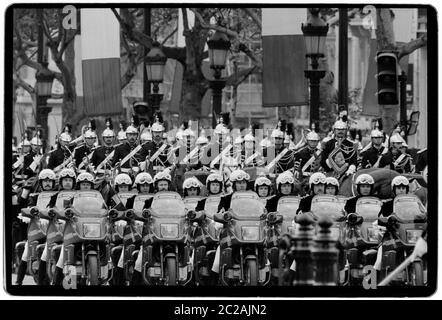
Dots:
{"x": 284, "y": 58}
{"x": 100, "y": 50}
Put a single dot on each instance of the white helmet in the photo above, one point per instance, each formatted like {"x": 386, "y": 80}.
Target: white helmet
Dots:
{"x": 249, "y": 138}
{"x": 376, "y": 134}
{"x": 396, "y": 139}
{"x": 284, "y": 178}
{"x": 65, "y": 137}
{"x": 191, "y": 182}
{"x": 317, "y": 178}
{"x": 143, "y": 177}
{"x": 24, "y": 143}
{"x": 108, "y": 133}
{"x": 238, "y": 175}
{"x": 163, "y": 175}
{"x": 157, "y": 127}
{"x": 399, "y": 180}
{"x": 121, "y": 135}
{"x": 265, "y": 143}
{"x": 123, "y": 178}
{"x": 340, "y": 125}
{"x": 131, "y": 129}
{"x": 238, "y": 140}
{"x": 67, "y": 173}
{"x": 201, "y": 140}
{"x": 146, "y": 136}
{"x": 36, "y": 141}
{"x": 333, "y": 181}
{"x": 276, "y": 133}
{"x": 85, "y": 177}
{"x": 46, "y": 174}
{"x": 364, "y": 179}
{"x": 89, "y": 134}
{"x": 262, "y": 181}
{"x": 188, "y": 133}
{"x": 312, "y": 135}
{"x": 214, "y": 177}
{"x": 221, "y": 129}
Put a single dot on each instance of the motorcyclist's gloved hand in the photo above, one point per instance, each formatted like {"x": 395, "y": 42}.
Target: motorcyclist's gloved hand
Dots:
{"x": 351, "y": 170}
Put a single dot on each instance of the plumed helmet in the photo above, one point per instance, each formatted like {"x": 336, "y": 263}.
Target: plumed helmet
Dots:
{"x": 202, "y": 140}
{"x": 312, "y": 135}
{"x": 143, "y": 177}
{"x": 262, "y": 181}
{"x": 89, "y": 134}
{"x": 67, "y": 173}
{"x": 163, "y": 175}
{"x": 376, "y": 134}
{"x": 333, "y": 181}
{"x": 214, "y": 177}
{"x": 121, "y": 135}
{"x": 399, "y": 180}
{"x": 364, "y": 178}
{"x": 249, "y": 138}
{"x": 131, "y": 129}
{"x": 238, "y": 140}
{"x": 157, "y": 127}
{"x": 191, "y": 182}
{"x": 284, "y": 178}
{"x": 46, "y": 174}
{"x": 36, "y": 141}
{"x": 146, "y": 136}
{"x": 189, "y": 133}
{"x": 317, "y": 178}
{"x": 340, "y": 125}
{"x": 65, "y": 137}
{"x": 276, "y": 133}
{"x": 221, "y": 129}
{"x": 396, "y": 138}
{"x": 123, "y": 178}
{"x": 238, "y": 175}
{"x": 108, "y": 133}
{"x": 85, "y": 177}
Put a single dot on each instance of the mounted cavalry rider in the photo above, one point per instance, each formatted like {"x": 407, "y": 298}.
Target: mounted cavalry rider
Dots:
{"x": 124, "y": 150}
{"x": 277, "y": 156}
{"x": 372, "y": 156}
{"x": 62, "y": 153}
{"x": 396, "y": 158}
{"x": 307, "y": 160}
{"x": 107, "y": 148}
{"x": 340, "y": 154}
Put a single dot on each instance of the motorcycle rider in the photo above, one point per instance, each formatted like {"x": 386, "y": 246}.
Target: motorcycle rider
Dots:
{"x": 364, "y": 187}
{"x": 340, "y": 144}
{"x": 214, "y": 185}
{"x": 66, "y": 182}
{"x": 239, "y": 179}
{"x": 191, "y": 187}
{"x": 399, "y": 185}
{"x": 263, "y": 187}
{"x": 317, "y": 185}
{"x": 284, "y": 187}
{"x": 372, "y": 155}
{"x": 331, "y": 186}
{"x": 46, "y": 180}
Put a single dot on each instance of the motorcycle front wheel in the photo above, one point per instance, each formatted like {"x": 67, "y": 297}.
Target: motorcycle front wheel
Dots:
{"x": 252, "y": 273}
{"x": 417, "y": 274}
{"x": 171, "y": 271}
{"x": 92, "y": 270}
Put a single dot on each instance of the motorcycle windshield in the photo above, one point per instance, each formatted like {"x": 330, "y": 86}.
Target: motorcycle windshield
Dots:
{"x": 89, "y": 204}
{"x": 191, "y": 202}
{"x": 326, "y": 206}
{"x": 287, "y": 206}
{"x": 247, "y": 208}
{"x": 168, "y": 207}
{"x": 139, "y": 202}
{"x": 408, "y": 208}
{"x": 44, "y": 198}
{"x": 63, "y": 199}
{"x": 126, "y": 195}
{"x": 368, "y": 208}
{"x": 211, "y": 206}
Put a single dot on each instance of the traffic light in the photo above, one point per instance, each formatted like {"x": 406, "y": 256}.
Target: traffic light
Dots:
{"x": 387, "y": 78}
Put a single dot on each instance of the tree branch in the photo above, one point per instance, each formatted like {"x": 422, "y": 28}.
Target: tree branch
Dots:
{"x": 411, "y": 46}
{"x": 205, "y": 25}
{"x": 254, "y": 17}
{"x": 169, "y": 36}
{"x": 237, "y": 78}
{"x": 257, "y": 61}
{"x": 21, "y": 83}
{"x": 185, "y": 20}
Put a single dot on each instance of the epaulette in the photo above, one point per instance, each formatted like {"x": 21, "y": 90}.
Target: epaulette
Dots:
{"x": 420, "y": 151}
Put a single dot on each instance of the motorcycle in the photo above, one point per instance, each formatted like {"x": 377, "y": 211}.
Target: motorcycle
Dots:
{"x": 404, "y": 227}
{"x": 166, "y": 241}
{"x": 243, "y": 257}
{"x": 280, "y": 255}
{"x": 361, "y": 238}
{"x": 86, "y": 238}
{"x": 37, "y": 230}
{"x": 191, "y": 202}
{"x": 54, "y": 238}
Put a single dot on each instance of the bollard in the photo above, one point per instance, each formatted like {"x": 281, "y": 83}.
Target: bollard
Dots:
{"x": 325, "y": 255}
{"x": 302, "y": 251}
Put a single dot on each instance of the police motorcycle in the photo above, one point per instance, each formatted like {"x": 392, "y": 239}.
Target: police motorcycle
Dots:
{"x": 36, "y": 233}
{"x": 86, "y": 238}
{"x": 166, "y": 240}
{"x": 361, "y": 238}
{"x": 403, "y": 228}
{"x": 328, "y": 206}
{"x": 243, "y": 258}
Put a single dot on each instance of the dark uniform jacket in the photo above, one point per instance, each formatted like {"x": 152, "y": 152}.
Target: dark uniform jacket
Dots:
{"x": 122, "y": 151}
{"x": 305, "y": 204}
{"x": 165, "y": 159}
{"x": 272, "y": 203}
{"x": 27, "y": 161}
{"x": 80, "y": 153}
{"x": 387, "y": 208}
{"x": 100, "y": 154}
{"x": 350, "y": 204}
{"x": 388, "y": 160}
{"x": 225, "y": 202}
{"x": 284, "y": 164}
{"x": 347, "y": 148}
{"x": 57, "y": 157}
{"x": 303, "y": 156}
{"x": 371, "y": 156}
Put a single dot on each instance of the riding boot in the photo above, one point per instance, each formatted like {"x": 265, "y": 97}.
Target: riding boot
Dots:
{"x": 291, "y": 277}
{"x": 42, "y": 276}
{"x": 58, "y": 276}
{"x": 137, "y": 279}
{"x": 118, "y": 278}
{"x": 214, "y": 278}
{"x": 21, "y": 272}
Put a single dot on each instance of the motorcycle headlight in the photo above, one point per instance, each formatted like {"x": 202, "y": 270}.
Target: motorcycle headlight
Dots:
{"x": 413, "y": 235}
{"x": 373, "y": 234}
{"x": 91, "y": 230}
{"x": 250, "y": 233}
{"x": 169, "y": 230}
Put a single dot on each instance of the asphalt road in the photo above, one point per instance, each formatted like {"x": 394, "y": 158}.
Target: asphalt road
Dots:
{"x": 28, "y": 280}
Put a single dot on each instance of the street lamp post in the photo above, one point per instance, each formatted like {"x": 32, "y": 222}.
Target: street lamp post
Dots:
{"x": 44, "y": 83}
{"x": 155, "y": 62}
{"x": 219, "y": 46}
{"x": 315, "y": 34}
